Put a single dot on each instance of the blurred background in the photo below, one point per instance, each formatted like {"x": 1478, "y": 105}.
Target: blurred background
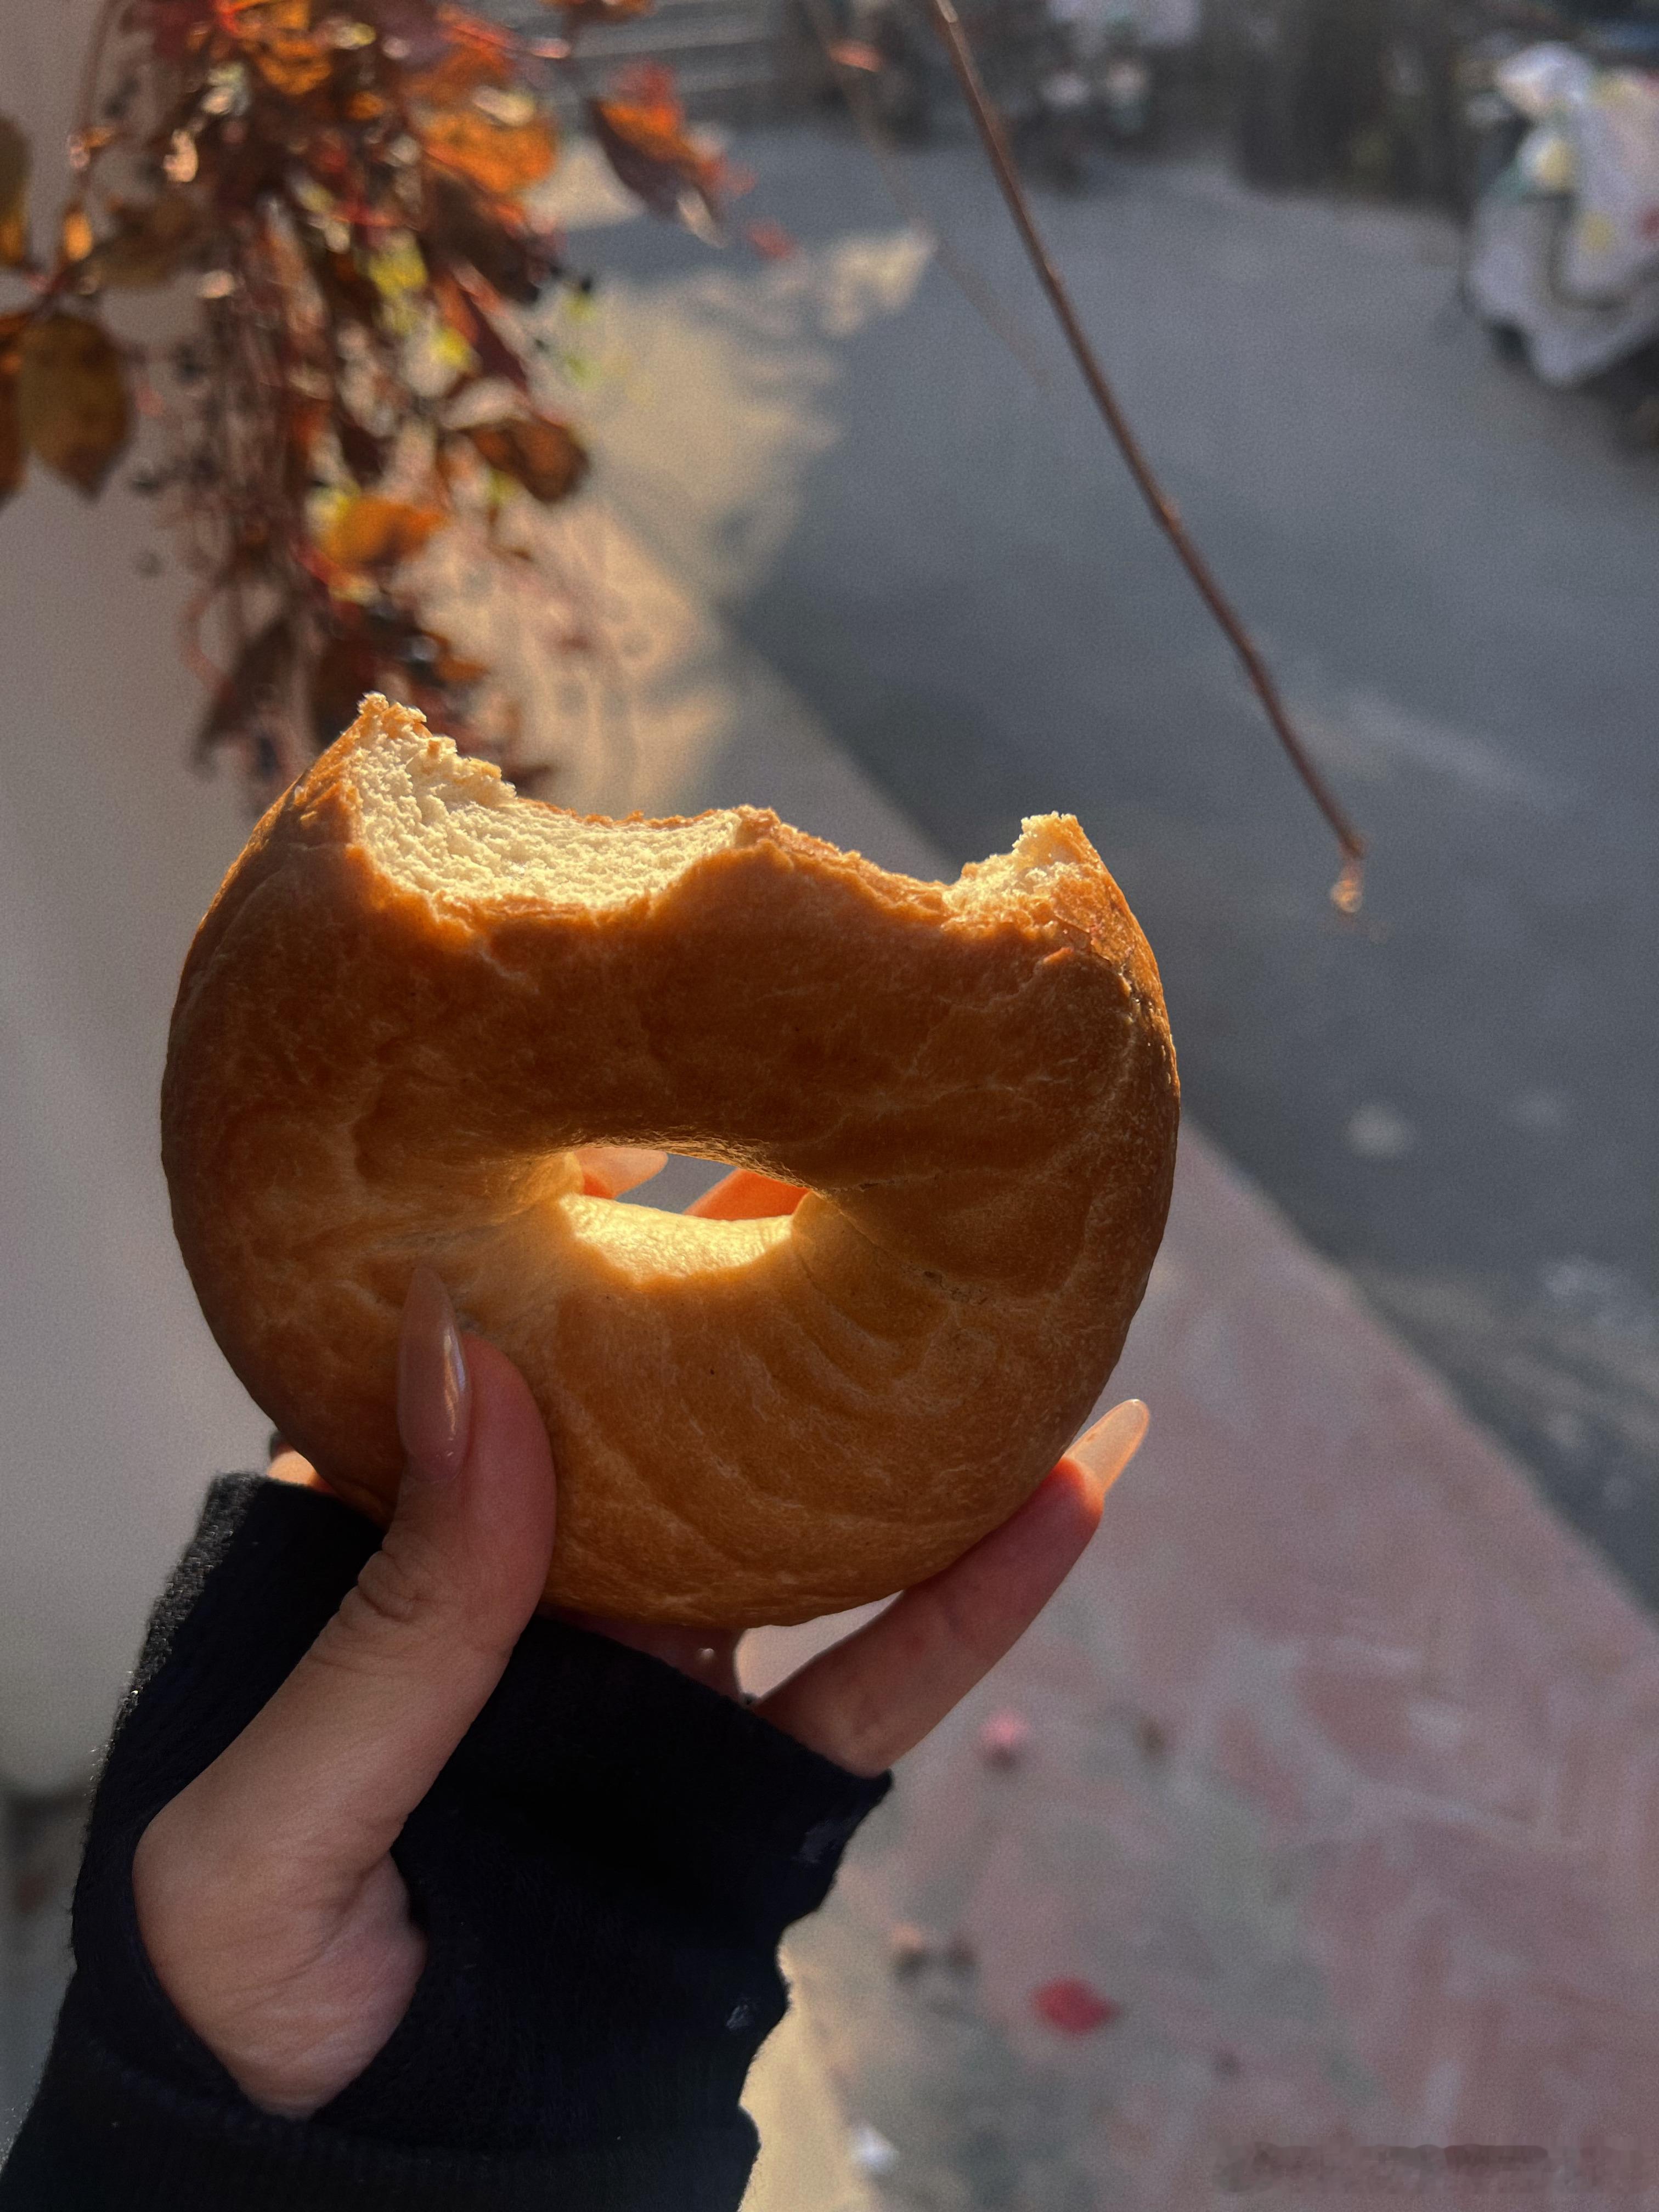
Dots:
{"x": 742, "y": 461}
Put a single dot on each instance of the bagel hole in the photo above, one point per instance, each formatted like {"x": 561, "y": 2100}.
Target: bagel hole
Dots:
{"x": 686, "y": 1176}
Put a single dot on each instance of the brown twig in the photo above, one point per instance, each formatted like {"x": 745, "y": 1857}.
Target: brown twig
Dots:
{"x": 1347, "y": 891}
{"x": 86, "y": 90}
{"x": 967, "y": 279}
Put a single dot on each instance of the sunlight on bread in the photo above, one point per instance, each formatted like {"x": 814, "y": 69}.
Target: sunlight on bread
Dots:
{"x": 417, "y": 994}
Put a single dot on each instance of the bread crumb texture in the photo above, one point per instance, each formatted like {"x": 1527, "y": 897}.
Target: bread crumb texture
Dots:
{"x": 453, "y": 830}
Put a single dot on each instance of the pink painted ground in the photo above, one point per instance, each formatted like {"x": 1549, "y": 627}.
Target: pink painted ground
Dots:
{"x": 1342, "y": 1781}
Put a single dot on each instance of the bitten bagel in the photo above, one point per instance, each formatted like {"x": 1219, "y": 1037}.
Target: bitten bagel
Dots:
{"x": 416, "y": 991}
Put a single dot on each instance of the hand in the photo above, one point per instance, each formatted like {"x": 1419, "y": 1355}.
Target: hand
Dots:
{"x": 272, "y": 1910}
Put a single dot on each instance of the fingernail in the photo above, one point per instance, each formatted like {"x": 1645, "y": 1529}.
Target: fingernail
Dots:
{"x": 1106, "y": 1448}
{"x": 434, "y": 1393}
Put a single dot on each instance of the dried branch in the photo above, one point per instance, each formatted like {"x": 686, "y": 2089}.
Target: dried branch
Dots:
{"x": 347, "y": 194}
{"x": 967, "y": 279}
{"x": 1346, "y": 892}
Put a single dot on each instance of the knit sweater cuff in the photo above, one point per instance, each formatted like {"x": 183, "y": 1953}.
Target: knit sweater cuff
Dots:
{"x": 104, "y": 2136}
{"x": 602, "y": 1870}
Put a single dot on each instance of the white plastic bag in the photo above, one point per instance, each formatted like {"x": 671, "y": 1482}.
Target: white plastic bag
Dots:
{"x": 1613, "y": 243}
{"x": 1540, "y": 79}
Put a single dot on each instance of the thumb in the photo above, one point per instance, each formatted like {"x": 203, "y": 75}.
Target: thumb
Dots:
{"x": 358, "y": 1733}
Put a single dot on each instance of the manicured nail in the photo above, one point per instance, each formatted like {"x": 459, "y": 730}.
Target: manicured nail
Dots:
{"x": 434, "y": 1392}
{"x": 1107, "y": 1448}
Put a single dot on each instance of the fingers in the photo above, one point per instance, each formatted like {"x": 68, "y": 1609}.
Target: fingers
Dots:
{"x": 357, "y": 1735}
{"x": 746, "y": 1195}
{"x": 1105, "y": 1447}
{"x": 609, "y": 1170}
{"x": 873, "y": 1696}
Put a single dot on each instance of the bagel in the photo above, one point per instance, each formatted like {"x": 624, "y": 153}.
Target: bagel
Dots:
{"x": 416, "y": 993}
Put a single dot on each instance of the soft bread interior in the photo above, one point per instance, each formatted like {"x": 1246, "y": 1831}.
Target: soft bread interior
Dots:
{"x": 1050, "y": 845}
{"x": 642, "y": 1245}
{"x": 453, "y": 828}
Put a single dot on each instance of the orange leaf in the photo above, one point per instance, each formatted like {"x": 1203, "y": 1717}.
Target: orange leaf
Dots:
{"x": 647, "y": 95}
{"x": 293, "y": 67}
{"x": 372, "y": 532}
{"x": 501, "y": 159}
{"x": 14, "y": 195}
{"x": 544, "y": 456}
{"x": 258, "y": 19}
{"x": 282, "y": 44}
{"x": 76, "y": 237}
{"x": 643, "y": 133}
{"x": 72, "y": 404}
{"x": 454, "y": 80}
{"x": 463, "y": 28}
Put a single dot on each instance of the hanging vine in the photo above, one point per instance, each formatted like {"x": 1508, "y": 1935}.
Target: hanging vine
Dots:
{"x": 348, "y": 195}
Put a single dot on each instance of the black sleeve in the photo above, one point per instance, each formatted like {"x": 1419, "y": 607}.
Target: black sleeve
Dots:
{"x": 603, "y": 1870}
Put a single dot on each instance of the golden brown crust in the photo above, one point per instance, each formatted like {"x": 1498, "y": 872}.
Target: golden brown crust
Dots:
{"x": 799, "y": 1416}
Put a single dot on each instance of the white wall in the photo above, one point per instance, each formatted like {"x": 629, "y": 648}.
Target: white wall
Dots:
{"x": 115, "y": 1406}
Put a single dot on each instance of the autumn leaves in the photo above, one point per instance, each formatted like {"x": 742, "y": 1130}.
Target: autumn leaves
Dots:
{"x": 62, "y": 397}
{"x": 344, "y": 191}
{"x": 63, "y": 392}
